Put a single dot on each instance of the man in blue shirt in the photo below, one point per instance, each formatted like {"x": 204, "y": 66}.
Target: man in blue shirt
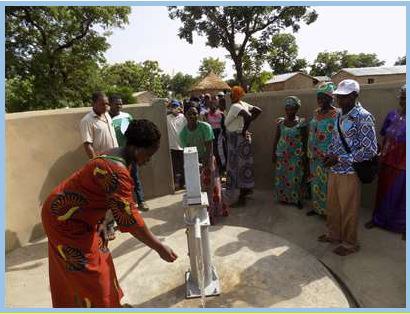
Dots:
{"x": 357, "y": 126}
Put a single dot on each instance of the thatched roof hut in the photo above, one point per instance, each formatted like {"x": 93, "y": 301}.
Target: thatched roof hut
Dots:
{"x": 211, "y": 84}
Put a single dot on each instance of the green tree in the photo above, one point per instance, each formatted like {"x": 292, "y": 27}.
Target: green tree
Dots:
{"x": 328, "y": 63}
{"x": 234, "y": 27}
{"x": 259, "y": 81}
{"x": 253, "y": 61}
{"x": 212, "y": 65}
{"x": 146, "y": 76}
{"x": 58, "y": 50}
{"x": 400, "y": 61}
{"x": 361, "y": 60}
{"x": 282, "y": 54}
{"x": 18, "y": 93}
{"x": 181, "y": 84}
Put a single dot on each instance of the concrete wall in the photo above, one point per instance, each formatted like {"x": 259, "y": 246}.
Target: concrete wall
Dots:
{"x": 44, "y": 147}
{"x": 377, "y": 98}
{"x": 378, "y": 79}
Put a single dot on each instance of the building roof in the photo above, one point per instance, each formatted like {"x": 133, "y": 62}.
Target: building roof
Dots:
{"x": 399, "y": 69}
{"x": 281, "y": 77}
{"x": 286, "y": 76}
{"x": 211, "y": 82}
{"x": 322, "y": 78}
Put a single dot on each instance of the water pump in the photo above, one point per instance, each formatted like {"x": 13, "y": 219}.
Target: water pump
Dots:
{"x": 202, "y": 279}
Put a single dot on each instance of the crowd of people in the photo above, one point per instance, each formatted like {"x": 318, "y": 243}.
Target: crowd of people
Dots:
{"x": 326, "y": 159}
{"x": 223, "y": 142}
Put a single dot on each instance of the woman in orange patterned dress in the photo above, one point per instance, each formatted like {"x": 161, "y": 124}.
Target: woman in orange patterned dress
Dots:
{"x": 81, "y": 268}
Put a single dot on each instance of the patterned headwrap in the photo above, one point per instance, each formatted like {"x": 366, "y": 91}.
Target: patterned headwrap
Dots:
{"x": 292, "y": 101}
{"x": 326, "y": 88}
{"x": 237, "y": 92}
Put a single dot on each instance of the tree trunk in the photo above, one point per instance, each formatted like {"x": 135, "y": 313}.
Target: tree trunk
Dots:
{"x": 239, "y": 71}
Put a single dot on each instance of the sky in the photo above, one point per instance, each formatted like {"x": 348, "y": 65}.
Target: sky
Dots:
{"x": 152, "y": 35}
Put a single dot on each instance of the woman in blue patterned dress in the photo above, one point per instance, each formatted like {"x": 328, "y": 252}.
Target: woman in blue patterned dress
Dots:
{"x": 320, "y": 136}
{"x": 289, "y": 156}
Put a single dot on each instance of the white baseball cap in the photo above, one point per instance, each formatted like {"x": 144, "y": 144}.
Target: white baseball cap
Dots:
{"x": 347, "y": 87}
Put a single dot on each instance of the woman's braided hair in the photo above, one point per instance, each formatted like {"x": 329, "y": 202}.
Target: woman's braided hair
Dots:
{"x": 142, "y": 133}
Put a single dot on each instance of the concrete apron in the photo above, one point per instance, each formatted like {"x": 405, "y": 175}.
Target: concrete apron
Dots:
{"x": 256, "y": 269}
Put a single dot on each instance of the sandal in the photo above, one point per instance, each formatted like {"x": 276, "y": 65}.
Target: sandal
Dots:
{"x": 143, "y": 207}
{"x": 344, "y": 251}
{"x": 239, "y": 203}
{"x": 111, "y": 235}
{"x": 326, "y": 239}
{"x": 126, "y": 305}
{"x": 369, "y": 225}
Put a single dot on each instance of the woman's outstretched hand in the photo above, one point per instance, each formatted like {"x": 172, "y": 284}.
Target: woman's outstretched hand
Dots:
{"x": 166, "y": 253}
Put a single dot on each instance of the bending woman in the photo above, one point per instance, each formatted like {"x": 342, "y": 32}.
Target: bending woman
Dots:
{"x": 81, "y": 268}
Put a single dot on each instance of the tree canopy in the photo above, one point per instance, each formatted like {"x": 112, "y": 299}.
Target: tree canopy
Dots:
{"x": 400, "y": 61}
{"x": 328, "y": 63}
{"x": 235, "y": 27}
{"x": 212, "y": 65}
{"x": 53, "y": 53}
{"x": 282, "y": 54}
{"x": 181, "y": 84}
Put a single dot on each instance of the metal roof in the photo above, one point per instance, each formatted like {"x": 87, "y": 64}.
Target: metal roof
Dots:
{"x": 281, "y": 77}
{"x": 399, "y": 69}
{"x": 322, "y": 78}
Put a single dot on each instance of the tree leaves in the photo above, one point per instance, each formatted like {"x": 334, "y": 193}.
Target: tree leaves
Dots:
{"x": 328, "y": 63}
{"x": 212, "y": 65}
{"x": 57, "y": 51}
{"x": 234, "y": 28}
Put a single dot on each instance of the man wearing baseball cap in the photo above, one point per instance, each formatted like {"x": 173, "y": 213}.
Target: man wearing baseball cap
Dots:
{"x": 355, "y": 128}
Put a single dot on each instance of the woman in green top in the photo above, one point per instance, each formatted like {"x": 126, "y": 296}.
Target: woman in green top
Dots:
{"x": 289, "y": 148}
{"x": 200, "y": 135}
{"x": 320, "y": 135}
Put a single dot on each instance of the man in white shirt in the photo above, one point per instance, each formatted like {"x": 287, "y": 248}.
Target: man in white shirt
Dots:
{"x": 175, "y": 123}
{"x": 97, "y": 131}
{"x": 98, "y": 136}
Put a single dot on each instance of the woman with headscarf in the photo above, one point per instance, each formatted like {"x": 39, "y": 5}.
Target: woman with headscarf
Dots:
{"x": 199, "y": 134}
{"x": 216, "y": 119}
{"x": 81, "y": 269}
{"x": 320, "y": 135}
{"x": 390, "y": 209}
{"x": 289, "y": 148}
{"x": 239, "y": 166}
